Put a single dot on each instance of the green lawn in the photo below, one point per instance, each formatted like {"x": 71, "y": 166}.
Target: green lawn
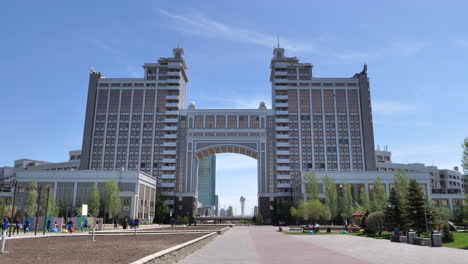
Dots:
{"x": 461, "y": 241}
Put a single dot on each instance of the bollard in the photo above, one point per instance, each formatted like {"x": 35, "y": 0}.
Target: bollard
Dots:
{"x": 94, "y": 229}
{"x": 2, "y": 249}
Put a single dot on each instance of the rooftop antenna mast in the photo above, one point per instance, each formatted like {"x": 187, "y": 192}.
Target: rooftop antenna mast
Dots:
{"x": 278, "y": 41}
{"x": 178, "y": 44}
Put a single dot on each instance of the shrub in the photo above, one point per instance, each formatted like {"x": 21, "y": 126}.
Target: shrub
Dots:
{"x": 375, "y": 223}
{"x": 447, "y": 236}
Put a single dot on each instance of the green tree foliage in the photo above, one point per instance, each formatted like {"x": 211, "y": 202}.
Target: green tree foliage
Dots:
{"x": 401, "y": 185}
{"x": 379, "y": 197}
{"x": 364, "y": 200}
{"x": 94, "y": 200}
{"x": 394, "y": 211}
{"x": 62, "y": 208}
{"x": 161, "y": 210}
{"x": 325, "y": 213}
{"x": 112, "y": 198}
{"x": 375, "y": 223}
{"x": 31, "y": 199}
{"x": 309, "y": 210}
{"x": 3, "y": 211}
{"x": 311, "y": 185}
{"x": 52, "y": 209}
{"x": 285, "y": 211}
{"x": 447, "y": 236}
{"x": 259, "y": 219}
{"x": 331, "y": 196}
{"x": 346, "y": 202}
{"x": 464, "y": 160}
{"x": 415, "y": 207}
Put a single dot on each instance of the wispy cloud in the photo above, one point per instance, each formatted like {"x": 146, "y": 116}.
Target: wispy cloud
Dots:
{"x": 199, "y": 24}
{"x": 393, "y": 107}
{"x": 202, "y": 25}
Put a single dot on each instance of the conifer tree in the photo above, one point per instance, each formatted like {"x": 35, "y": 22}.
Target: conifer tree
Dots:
{"x": 415, "y": 207}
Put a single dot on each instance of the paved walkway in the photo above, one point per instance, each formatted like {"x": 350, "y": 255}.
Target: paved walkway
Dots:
{"x": 265, "y": 245}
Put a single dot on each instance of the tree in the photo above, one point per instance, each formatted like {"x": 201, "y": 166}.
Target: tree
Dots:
{"x": 311, "y": 185}
{"x": 415, "y": 207}
{"x": 2, "y": 208}
{"x": 62, "y": 208}
{"x": 331, "y": 196}
{"x": 364, "y": 200}
{"x": 447, "y": 236}
{"x": 325, "y": 213}
{"x": 112, "y": 198}
{"x": 52, "y": 209}
{"x": 346, "y": 202}
{"x": 161, "y": 210}
{"x": 309, "y": 210}
{"x": 394, "y": 213}
{"x": 379, "y": 197}
{"x": 401, "y": 184}
{"x": 464, "y": 160}
{"x": 375, "y": 223}
{"x": 258, "y": 219}
{"x": 31, "y": 199}
{"x": 94, "y": 200}
{"x": 285, "y": 211}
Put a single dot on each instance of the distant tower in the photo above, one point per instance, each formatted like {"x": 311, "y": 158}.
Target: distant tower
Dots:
{"x": 242, "y": 201}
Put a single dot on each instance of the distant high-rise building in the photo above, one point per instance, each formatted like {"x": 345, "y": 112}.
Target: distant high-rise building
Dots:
{"x": 222, "y": 212}
{"x": 207, "y": 181}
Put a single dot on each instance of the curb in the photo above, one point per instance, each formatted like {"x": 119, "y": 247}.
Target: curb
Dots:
{"x": 171, "y": 255}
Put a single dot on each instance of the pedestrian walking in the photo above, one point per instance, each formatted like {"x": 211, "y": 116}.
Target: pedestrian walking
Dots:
{"x": 49, "y": 223}
{"x": 17, "y": 227}
{"x": 26, "y": 226}
{"x": 132, "y": 222}
{"x": 5, "y": 224}
{"x": 85, "y": 225}
{"x": 137, "y": 223}
{"x": 70, "y": 226}
{"x": 125, "y": 223}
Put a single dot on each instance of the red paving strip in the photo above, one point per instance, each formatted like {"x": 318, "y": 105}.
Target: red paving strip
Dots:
{"x": 274, "y": 247}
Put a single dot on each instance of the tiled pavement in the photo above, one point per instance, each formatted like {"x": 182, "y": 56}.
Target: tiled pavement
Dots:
{"x": 265, "y": 245}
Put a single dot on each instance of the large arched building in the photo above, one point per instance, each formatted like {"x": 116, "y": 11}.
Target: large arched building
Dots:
{"x": 319, "y": 124}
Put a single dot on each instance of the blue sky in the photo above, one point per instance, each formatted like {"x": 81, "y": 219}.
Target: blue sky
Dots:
{"x": 416, "y": 51}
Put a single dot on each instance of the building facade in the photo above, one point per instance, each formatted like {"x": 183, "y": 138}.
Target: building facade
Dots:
{"x": 207, "y": 181}
{"x": 319, "y": 124}
{"x": 137, "y": 189}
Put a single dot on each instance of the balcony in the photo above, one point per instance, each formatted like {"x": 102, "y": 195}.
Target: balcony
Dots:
{"x": 168, "y": 184}
{"x": 171, "y": 112}
{"x": 282, "y": 152}
{"x": 281, "y": 104}
{"x": 168, "y": 168}
{"x": 282, "y": 128}
{"x": 281, "y": 112}
{"x": 171, "y": 120}
{"x": 171, "y": 136}
{"x": 170, "y": 144}
{"x": 169, "y": 160}
{"x": 285, "y": 168}
{"x": 170, "y": 128}
{"x": 173, "y": 81}
{"x": 281, "y": 73}
{"x": 167, "y": 176}
{"x": 172, "y": 104}
{"x": 282, "y": 136}
{"x": 169, "y": 152}
{"x": 172, "y": 97}
{"x": 282, "y": 161}
{"x": 173, "y": 73}
{"x": 282, "y": 120}
{"x": 282, "y": 144}
{"x": 283, "y": 177}
{"x": 283, "y": 185}
{"x": 281, "y": 97}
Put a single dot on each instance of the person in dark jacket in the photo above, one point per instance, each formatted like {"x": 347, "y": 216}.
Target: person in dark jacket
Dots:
{"x": 49, "y": 223}
{"x": 26, "y": 226}
{"x": 70, "y": 226}
{"x": 5, "y": 224}
{"x": 17, "y": 227}
{"x": 137, "y": 223}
